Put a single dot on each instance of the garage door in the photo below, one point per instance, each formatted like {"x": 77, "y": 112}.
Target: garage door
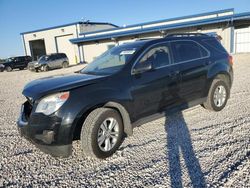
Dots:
{"x": 242, "y": 40}
{"x": 65, "y": 46}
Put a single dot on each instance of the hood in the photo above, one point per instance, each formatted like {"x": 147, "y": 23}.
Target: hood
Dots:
{"x": 45, "y": 86}
{"x": 8, "y": 62}
{"x": 32, "y": 62}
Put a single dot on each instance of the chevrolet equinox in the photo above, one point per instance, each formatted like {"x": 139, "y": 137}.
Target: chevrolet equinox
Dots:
{"x": 123, "y": 88}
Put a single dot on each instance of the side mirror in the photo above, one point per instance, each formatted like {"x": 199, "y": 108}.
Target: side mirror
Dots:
{"x": 142, "y": 67}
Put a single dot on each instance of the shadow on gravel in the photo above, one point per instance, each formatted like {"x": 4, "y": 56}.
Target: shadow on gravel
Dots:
{"x": 179, "y": 141}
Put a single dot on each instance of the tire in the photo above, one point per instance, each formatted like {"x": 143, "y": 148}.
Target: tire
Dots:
{"x": 65, "y": 64}
{"x": 220, "y": 89}
{"x": 45, "y": 68}
{"x": 8, "y": 69}
{"x": 92, "y": 130}
{"x": 21, "y": 68}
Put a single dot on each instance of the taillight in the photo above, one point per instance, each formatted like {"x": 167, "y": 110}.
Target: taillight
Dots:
{"x": 230, "y": 60}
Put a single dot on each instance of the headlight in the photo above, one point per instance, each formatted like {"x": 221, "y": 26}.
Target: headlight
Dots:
{"x": 52, "y": 103}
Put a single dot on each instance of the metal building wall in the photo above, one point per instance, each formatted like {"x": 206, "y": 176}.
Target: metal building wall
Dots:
{"x": 51, "y": 39}
{"x": 242, "y": 40}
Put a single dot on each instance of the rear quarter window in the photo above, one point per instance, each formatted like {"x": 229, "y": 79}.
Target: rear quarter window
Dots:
{"x": 215, "y": 44}
{"x": 187, "y": 51}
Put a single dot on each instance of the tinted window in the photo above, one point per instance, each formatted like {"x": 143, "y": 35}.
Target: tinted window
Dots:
{"x": 158, "y": 56}
{"x": 59, "y": 56}
{"x": 52, "y": 57}
{"x": 21, "y": 59}
{"x": 111, "y": 61}
{"x": 215, "y": 44}
{"x": 187, "y": 50}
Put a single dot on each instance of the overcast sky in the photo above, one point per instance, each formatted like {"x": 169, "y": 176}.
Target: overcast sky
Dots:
{"x": 18, "y": 16}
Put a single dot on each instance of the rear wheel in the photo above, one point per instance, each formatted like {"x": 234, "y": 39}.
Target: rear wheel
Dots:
{"x": 217, "y": 96}
{"x": 65, "y": 64}
{"x": 102, "y": 133}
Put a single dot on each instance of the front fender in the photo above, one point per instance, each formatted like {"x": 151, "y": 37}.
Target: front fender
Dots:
{"x": 86, "y": 99}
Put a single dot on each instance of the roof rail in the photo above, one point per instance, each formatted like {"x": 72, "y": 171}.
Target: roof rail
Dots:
{"x": 141, "y": 39}
{"x": 186, "y": 34}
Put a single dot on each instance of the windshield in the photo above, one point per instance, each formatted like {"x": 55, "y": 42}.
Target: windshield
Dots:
{"x": 43, "y": 58}
{"x": 10, "y": 59}
{"x": 111, "y": 61}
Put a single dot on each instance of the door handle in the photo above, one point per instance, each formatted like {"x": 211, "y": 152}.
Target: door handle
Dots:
{"x": 208, "y": 62}
{"x": 175, "y": 73}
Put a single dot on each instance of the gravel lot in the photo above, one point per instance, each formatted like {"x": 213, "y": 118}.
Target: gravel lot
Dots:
{"x": 193, "y": 148}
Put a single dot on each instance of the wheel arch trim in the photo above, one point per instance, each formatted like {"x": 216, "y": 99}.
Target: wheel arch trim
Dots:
{"x": 128, "y": 129}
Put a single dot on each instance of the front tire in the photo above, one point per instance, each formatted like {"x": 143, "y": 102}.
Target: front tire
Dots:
{"x": 8, "y": 69}
{"x": 217, "y": 96}
{"x": 45, "y": 68}
{"x": 102, "y": 133}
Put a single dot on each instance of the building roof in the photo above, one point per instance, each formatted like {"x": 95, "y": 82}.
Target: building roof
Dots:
{"x": 164, "y": 25}
{"x": 69, "y": 24}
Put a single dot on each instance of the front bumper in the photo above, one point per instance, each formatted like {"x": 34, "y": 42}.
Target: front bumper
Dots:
{"x": 34, "y": 67}
{"x": 43, "y": 132}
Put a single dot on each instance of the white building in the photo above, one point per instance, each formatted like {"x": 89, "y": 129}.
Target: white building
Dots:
{"x": 89, "y": 40}
{"x": 57, "y": 39}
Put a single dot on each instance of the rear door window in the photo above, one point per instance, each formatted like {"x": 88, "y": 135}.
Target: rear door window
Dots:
{"x": 187, "y": 51}
{"x": 59, "y": 56}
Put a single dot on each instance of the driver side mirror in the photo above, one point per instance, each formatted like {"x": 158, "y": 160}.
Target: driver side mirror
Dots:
{"x": 142, "y": 67}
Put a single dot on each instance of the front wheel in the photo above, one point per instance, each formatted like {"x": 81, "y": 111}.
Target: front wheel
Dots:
{"x": 45, "y": 68}
{"x": 8, "y": 69}
{"x": 102, "y": 133}
{"x": 217, "y": 96}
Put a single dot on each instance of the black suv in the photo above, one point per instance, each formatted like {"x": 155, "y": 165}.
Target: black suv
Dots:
{"x": 52, "y": 61}
{"x": 19, "y": 62}
{"x": 126, "y": 86}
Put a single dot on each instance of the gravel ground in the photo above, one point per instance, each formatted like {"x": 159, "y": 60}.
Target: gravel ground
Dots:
{"x": 193, "y": 148}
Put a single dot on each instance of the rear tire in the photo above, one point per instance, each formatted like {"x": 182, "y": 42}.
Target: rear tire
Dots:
{"x": 65, "y": 64}
{"x": 102, "y": 133}
{"x": 217, "y": 96}
{"x": 8, "y": 69}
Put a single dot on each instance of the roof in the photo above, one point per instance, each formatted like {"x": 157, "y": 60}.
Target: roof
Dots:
{"x": 69, "y": 24}
{"x": 163, "y": 25}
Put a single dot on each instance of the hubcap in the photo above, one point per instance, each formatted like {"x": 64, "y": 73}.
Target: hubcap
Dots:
{"x": 220, "y": 94}
{"x": 108, "y": 134}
